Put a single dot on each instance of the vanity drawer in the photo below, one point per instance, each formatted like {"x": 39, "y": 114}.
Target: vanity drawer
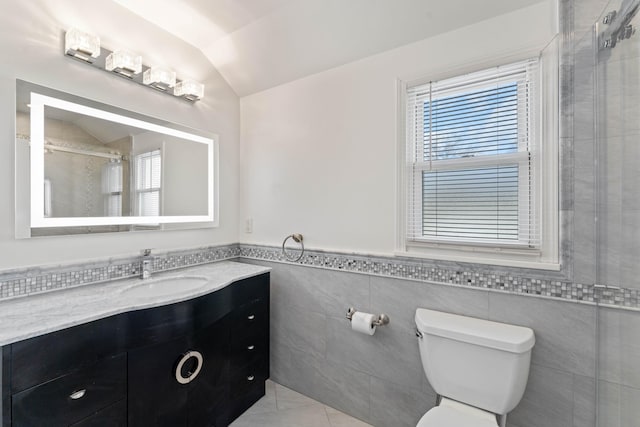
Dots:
{"x": 244, "y": 379}
{"x": 73, "y": 397}
{"x": 248, "y": 349}
{"x": 239, "y": 405}
{"x": 40, "y": 359}
{"x": 112, "y": 416}
{"x": 251, "y": 318}
{"x": 251, "y": 289}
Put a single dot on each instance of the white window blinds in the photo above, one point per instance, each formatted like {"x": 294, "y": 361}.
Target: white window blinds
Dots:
{"x": 471, "y": 147}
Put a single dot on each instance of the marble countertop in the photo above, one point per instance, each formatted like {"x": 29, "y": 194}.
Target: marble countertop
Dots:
{"x": 31, "y": 316}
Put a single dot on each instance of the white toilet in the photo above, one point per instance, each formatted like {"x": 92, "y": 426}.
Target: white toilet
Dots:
{"x": 478, "y": 368}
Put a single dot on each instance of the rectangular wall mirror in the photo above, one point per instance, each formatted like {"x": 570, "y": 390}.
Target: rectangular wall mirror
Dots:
{"x": 87, "y": 167}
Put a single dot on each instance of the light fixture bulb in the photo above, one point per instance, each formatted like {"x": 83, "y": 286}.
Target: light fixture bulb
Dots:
{"x": 189, "y": 89}
{"x": 81, "y": 45}
{"x": 124, "y": 62}
{"x": 159, "y": 78}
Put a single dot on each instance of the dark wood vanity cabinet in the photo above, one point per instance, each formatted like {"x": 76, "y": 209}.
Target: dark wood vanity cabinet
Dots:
{"x": 196, "y": 363}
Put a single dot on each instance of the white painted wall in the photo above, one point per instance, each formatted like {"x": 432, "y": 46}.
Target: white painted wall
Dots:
{"x": 318, "y": 155}
{"x": 310, "y": 36}
{"x": 31, "y": 49}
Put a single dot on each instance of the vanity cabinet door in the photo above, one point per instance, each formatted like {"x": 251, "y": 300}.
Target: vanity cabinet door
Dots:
{"x": 155, "y": 397}
{"x": 208, "y": 392}
{"x": 182, "y": 382}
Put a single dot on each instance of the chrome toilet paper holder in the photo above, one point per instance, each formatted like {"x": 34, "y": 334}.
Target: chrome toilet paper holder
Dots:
{"x": 381, "y": 320}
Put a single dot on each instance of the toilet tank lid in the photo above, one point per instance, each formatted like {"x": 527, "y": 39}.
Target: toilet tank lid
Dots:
{"x": 511, "y": 338}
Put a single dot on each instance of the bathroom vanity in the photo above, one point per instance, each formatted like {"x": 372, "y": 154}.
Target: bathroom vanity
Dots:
{"x": 168, "y": 351}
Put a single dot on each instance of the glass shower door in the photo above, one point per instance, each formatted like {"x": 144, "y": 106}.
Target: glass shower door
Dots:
{"x": 617, "y": 177}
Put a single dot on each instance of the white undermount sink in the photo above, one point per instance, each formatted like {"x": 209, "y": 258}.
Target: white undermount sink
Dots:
{"x": 164, "y": 286}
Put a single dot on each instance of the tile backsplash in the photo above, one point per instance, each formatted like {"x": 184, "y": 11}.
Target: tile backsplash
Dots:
{"x": 465, "y": 275}
{"x": 28, "y": 281}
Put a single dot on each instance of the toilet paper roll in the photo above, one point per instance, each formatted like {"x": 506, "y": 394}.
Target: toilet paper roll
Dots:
{"x": 362, "y": 322}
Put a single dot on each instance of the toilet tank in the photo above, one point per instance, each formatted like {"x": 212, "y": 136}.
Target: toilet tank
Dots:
{"x": 477, "y": 362}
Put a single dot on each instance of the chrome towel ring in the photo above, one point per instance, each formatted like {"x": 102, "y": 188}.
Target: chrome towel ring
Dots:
{"x": 298, "y": 239}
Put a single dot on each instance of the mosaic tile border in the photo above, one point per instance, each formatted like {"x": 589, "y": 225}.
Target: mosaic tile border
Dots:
{"x": 403, "y": 268}
{"x": 29, "y": 281}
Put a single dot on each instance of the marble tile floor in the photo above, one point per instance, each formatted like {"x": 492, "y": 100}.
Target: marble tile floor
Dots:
{"x": 282, "y": 407}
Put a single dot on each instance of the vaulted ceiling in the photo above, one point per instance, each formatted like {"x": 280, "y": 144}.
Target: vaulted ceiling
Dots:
{"x": 258, "y": 44}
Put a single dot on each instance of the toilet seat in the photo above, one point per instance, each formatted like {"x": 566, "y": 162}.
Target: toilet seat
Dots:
{"x": 454, "y": 414}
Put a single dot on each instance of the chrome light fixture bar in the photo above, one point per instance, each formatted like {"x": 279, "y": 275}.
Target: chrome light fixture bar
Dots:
{"x": 86, "y": 48}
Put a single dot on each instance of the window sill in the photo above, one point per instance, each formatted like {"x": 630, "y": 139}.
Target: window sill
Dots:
{"x": 499, "y": 257}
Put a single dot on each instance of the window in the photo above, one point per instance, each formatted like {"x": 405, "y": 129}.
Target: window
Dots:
{"x": 112, "y": 188}
{"x": 473, "y": 166}
{"x": 148, "y": 177}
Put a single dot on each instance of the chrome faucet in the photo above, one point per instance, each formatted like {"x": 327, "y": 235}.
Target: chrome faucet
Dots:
{"x": 147, "y": 265}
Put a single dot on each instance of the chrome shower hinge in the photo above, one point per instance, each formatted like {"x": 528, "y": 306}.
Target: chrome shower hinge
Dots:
{"x": 609, "y": 17}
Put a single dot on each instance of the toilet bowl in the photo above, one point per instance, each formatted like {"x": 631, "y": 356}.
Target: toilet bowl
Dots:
{"x": 454, "y": 414}
{"x": 478, "y": 368}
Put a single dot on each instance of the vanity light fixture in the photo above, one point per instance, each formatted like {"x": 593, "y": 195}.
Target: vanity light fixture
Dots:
{"x": 189, "y": 89}
{"x": 159, "y": 78}
{"x": 86, "y": 47}
{"x": 124, "y": 62}
{"x": 81, "y": 45}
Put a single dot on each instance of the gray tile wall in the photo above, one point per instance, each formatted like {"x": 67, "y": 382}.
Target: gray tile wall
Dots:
{"x": 619, "y": 373}
{"x": 380, "y": 378}
{"x": 579, "y": 83}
